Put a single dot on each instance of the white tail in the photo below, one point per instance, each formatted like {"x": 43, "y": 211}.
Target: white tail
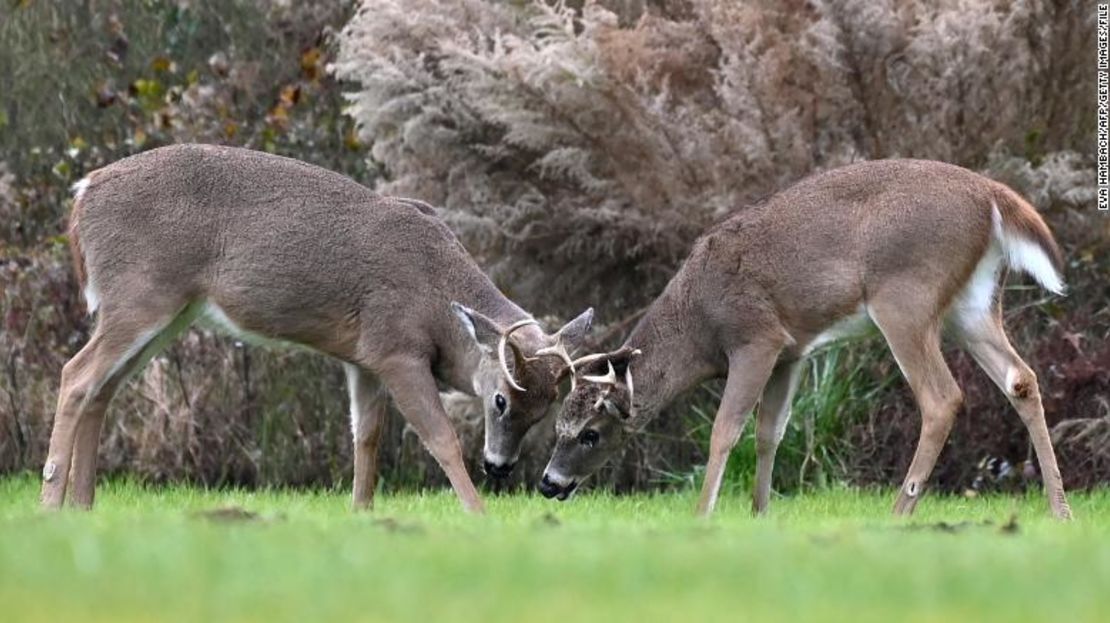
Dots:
{"x": 1025, "y": 255}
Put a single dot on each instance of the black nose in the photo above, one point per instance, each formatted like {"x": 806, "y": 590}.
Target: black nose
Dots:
{"x": 550, "y": 489}
{"x": 499, "y": 471}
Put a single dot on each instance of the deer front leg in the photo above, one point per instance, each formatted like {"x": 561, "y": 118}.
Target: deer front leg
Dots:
{"x": 414, "y": 391}
{"x": 748, "y": 371}
{"x": 369, "y": 403}
{"x": 774, "y": 412}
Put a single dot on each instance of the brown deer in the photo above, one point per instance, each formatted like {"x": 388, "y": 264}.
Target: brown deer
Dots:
{"x": 910, "y": 246}
{"x": 274, "y": 248}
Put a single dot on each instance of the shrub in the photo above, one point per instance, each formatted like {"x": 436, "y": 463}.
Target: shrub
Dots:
{"x": 580, "y": 147}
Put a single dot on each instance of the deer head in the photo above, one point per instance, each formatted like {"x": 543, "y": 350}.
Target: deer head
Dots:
{"x": 517, "y": 378}
{"x": 593, "y": 422}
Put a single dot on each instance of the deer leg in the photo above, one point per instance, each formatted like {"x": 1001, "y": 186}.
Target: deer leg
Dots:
{"x": 368, "y": 410}
{"x": 414, "y": 391}
{"x": 915, "y": 343}
{"x": 89, "y": 380}
{"x": 82, "y": 487}
{"x": 83, "y": 468}
{"x": 985, "y": 339}
{"x": 748, "y": 371}
{"x": 774, "y": 412}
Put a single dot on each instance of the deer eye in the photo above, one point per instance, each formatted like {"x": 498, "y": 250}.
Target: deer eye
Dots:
{"x": 499, "y": 402}
{"x": 589, "y": 438}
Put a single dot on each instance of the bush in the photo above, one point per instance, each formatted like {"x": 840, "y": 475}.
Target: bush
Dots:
{"x": 580, "y": 148}
{"x": 581, "y": 155}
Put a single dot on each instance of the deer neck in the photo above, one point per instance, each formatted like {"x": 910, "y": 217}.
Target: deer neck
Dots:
{"x": 672, "y": 359}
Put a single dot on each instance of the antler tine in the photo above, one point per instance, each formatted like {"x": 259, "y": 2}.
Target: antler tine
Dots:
{"x": 609, "y": 379}
{"x": 501, "y": 351}
{"x": 601, "y": 398}
{"x": 628, "y": 374}
{"x": 581, "y": 361}
{"x": 628, "y": 381}
{"x": 560, "y": 351}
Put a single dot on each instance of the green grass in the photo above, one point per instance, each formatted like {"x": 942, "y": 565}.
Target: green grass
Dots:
{"x": 149, "y": 553}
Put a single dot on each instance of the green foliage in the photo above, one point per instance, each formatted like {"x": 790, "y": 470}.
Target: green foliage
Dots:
{"x": 84, "y": 84}
{"x": 162, "y": 554}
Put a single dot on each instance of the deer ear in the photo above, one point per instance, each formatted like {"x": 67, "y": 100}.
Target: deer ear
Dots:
{"x": 574, "y": 332}
{"x": 481, "y": 329}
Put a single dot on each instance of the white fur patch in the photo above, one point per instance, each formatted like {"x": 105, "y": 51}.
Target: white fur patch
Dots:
{"x": 463, "y": 315}
{"x": 216, "y": 318}
{"x": 352, "y": 391}
{"x": 79, "y": 188}
{"x": 557, "y": 479}
{"x": 976, "y": 299}
{"x": 849, "y": 326}
{"x": 1026, "y": 256}
{"x": 212, "y": 313}
{"x": 495, "y": 458}
{"x": 1011, "y": 379}
{"x": 49, "y": 470}
{"x": 92, "y": 297}
{"x": 133, "y": 349}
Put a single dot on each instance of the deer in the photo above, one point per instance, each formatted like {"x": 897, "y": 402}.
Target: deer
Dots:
{"x": 276, "y": 250}
{"x": 917, "y": 249}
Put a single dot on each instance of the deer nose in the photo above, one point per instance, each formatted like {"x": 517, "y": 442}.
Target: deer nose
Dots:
{"x": 548, "y": 488}
{"x": 499, "y": 471}
{"x": 551, "y": 489}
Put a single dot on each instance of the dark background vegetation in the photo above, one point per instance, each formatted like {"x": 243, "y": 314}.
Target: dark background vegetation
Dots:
{"x": 577, "y": 149}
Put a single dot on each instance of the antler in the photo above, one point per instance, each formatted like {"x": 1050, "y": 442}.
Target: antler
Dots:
{"x": 559, "y": 350}
{"x": 581, "y": 361}
{"x": 501, "y": 351}
{"x": 610, "y": 378}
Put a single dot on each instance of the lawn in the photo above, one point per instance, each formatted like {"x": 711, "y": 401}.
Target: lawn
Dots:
{"x": 157, "y": 553}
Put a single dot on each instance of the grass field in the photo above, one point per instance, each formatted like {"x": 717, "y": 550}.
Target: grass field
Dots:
{"x": 152, "y": 553}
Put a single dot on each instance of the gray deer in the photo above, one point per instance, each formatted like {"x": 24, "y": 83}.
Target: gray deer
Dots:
{"x": 910, "y": 246}
{"x": 278, "y": 249}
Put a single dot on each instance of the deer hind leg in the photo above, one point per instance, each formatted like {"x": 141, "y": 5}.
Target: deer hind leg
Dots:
{"x": 984, "y": 337}
{"x": 414, "y": 391}
{"x": 774, "y": 412}
{"x": 748, "y": 371}
{"x": 369, "y": 403}
{"x": 120, "y": 344}
{"x": 915, "y": 343}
